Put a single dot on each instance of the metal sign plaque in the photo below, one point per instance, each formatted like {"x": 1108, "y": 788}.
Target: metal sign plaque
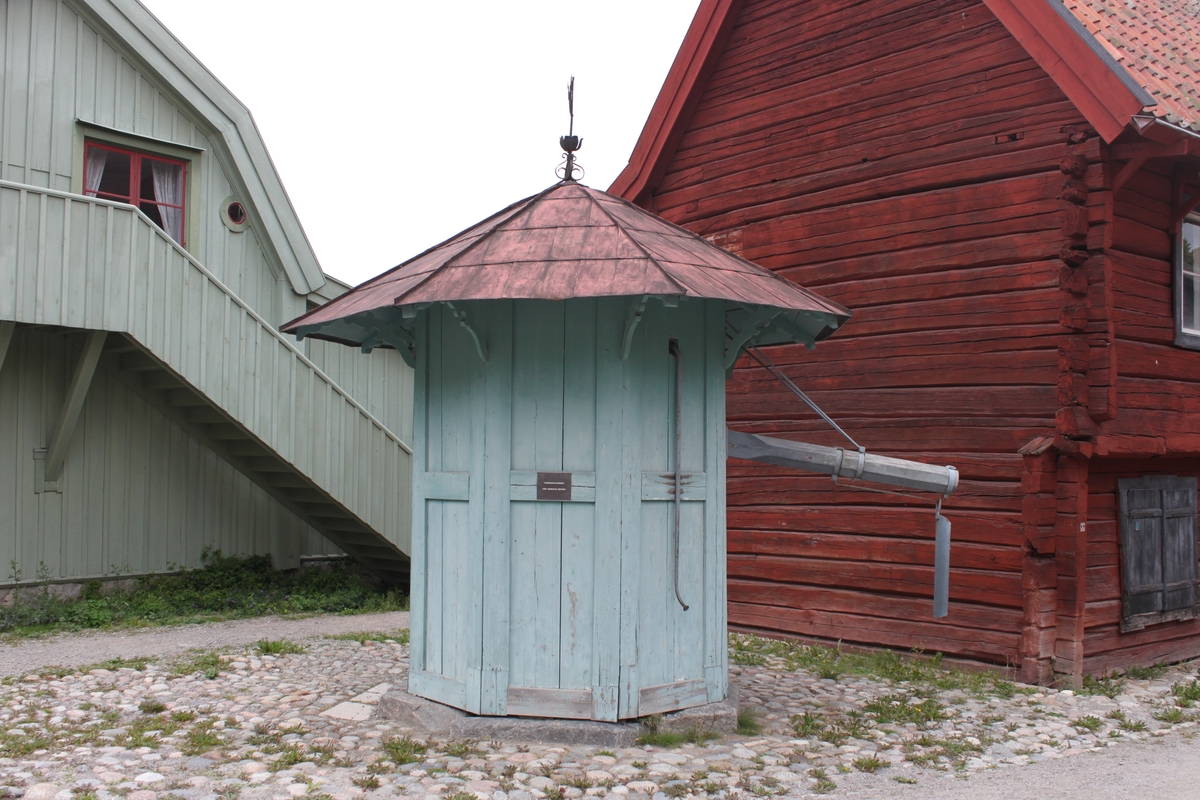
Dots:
{"x": 554, "y": 486}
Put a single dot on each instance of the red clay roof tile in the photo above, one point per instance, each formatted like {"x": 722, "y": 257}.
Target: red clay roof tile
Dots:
{"x": 1158, "y": 43}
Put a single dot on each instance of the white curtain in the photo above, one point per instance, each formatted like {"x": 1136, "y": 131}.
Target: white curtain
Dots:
{"x": 96, "y": 159}
{"x": 168, "y": 188}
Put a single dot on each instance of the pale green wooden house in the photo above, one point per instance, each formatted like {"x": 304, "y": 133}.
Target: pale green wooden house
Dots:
{"x": 149, "y": 408}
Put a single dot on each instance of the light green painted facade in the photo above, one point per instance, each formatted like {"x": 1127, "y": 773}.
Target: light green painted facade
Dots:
{"x": 201, "y": 426}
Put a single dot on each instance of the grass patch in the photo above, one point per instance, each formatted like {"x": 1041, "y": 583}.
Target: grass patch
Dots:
{"x": 823, "y": 784}
{"x": 653, "y": 735}
{"x": 1108, "y": 685}
{"x": 367, "y": 782}
{"x": 463, "y": 749}
{"x": 869, "y": 764}
{"x": 1186, "y": 694}
{"x": 151, "y": 707}
{"x": 901, "y": 708}
{"x": 362, "y": 637}
{"x": 404, "y": 750}
{"x": 207, "y": 662}
{"x": 1146, "y": 673}
{"x": 1089, "y": 723}
{"x": 832, "y": 663}
{"x": 114, "y": 664}
{"x": 1170, "y": 715}
{"x": 278, "y": 647}
{"x": 223, "y": 588}
{"x": 200, "y": 739}
{"x": 747, "y": 723}
{"x": 903, "y": 779}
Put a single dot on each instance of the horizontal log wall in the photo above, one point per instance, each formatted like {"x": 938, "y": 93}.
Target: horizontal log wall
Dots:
{"x": 1154, "y": 427}
{"x": 906, "y": 159}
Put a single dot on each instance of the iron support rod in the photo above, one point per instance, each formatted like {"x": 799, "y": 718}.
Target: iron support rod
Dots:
{"x": 673, "y": 347}
{"x": 758, "y": 356}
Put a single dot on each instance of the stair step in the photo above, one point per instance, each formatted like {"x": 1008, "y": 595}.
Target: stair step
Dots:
{"x": 161, "y": 380}
{"x": 225, "y": 432}
{"x": 290, "y": 480}
{"x": 203, "y": 415}
{"x": 265, "y": 464}
{"x": 138, "y": 362}
{"x": 184, "y": 398}
{"x": 252, "y": 449}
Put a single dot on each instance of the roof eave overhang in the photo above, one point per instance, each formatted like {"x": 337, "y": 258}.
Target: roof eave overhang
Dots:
{"x": 697, "y": 56}
{"x": 165, "y": 57}
{"x": 1103, "y": 90}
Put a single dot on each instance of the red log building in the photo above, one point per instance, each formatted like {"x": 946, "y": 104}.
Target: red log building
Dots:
{"x": 1000, "y": 190}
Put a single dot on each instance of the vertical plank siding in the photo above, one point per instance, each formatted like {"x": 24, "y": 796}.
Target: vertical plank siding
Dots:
{"x": 139, "y": 493}
{"x": 904, "y": 159}
{"x": 58, "y": 70}
{"x": 140, "y": 283}
{"x": 84, "y": 265}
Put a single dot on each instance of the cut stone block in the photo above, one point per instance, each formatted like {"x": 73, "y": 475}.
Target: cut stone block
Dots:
{"x": 355, "y": 712}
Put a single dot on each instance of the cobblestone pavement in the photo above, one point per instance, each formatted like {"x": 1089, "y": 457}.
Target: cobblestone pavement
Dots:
{"x": 240, "y": 723}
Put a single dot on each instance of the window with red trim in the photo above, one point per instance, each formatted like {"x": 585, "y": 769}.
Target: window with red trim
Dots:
{"x": 152, "y": 183}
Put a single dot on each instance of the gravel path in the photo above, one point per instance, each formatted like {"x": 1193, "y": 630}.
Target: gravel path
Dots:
{"x": 252, "y": 726}
{"x": 79, "y": 649}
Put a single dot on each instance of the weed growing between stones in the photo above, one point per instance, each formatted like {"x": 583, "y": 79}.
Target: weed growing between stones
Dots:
{"x": 1186, "y": 694}
{"x": 1088, "y": 723}
{"x": 1108, "y": 685}
{"x": 870, "y": 764}
{"x": 277, "y": 647}
{"x": 223, "y": 588}
{"x": 832, "y": 663}
{"x": 823, "y": 784}
{"x": 747, "y": 723}
{"x": 201, "y": 738}
{"x": 652, "y": 735}
{"x": 1146, "y": 673}
{"x": 399, "y": 636}
{"x": 404, "y": 749}
{"x": 207, "y": 662}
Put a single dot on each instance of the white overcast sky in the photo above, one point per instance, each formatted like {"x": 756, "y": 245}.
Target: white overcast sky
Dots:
{"x": 396, "y": 124}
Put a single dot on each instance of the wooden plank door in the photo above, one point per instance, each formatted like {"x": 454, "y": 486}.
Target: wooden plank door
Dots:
{"x": 553, "y": 667}
{"x": 675, "y": 658}
{"x": 447, "y": 580}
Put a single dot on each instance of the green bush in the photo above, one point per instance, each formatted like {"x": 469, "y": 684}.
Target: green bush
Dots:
{"x": 225, "y": 587}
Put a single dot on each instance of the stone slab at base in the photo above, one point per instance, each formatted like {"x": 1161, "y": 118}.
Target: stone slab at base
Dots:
{"x": 428, "y": 717}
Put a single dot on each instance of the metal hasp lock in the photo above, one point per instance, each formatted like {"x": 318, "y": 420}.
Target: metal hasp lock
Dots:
{"x": 861, "y": 465}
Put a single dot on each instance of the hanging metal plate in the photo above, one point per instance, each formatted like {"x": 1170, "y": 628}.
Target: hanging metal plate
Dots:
{"x": 554, "y": 486}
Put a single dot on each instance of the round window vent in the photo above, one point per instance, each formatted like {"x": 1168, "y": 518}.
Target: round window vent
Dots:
{"x": 234, "y": 215}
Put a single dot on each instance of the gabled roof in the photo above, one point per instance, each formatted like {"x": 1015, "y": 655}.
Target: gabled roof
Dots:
{"x": 573, "y": 241}
{"x": 1156, "y": 42}
{"x": 165, "y": 57}
{"x": 1069, "y": 47}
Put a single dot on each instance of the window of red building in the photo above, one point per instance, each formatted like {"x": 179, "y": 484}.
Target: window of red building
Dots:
{"x": 152, "y": 183}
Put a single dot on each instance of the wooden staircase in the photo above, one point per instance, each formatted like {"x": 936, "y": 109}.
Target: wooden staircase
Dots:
{"x": 180, "y": 339}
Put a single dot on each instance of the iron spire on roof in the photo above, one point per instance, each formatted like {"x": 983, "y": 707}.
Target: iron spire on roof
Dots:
{"x": 570, "y": 143}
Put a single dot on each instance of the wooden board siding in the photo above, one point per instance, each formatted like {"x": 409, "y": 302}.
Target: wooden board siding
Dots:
{"x": 139, "y": 493}
{"x": 908, "y": 160}
{"x": 572, "y": 605}
{"x": 91, "y": 264}
{"x": 56, "y": 67}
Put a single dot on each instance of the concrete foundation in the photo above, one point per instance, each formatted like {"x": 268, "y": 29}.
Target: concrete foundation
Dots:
{"x": 427, "y": 717}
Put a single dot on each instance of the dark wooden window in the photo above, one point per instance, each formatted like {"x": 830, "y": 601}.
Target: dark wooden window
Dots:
{"x": 1158, "y": 550}
{"x": 1187, "y": 285}
{"x": 153, "y": 183}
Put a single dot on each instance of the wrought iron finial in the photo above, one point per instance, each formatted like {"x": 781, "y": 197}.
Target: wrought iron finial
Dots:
{"x": 570, "y": 143}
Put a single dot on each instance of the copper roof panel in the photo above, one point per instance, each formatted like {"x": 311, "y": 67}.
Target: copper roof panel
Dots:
{"x": 571, "y": 241}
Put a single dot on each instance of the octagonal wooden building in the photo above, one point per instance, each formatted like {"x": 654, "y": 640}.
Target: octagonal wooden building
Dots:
{"x": 569, "y": 437}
